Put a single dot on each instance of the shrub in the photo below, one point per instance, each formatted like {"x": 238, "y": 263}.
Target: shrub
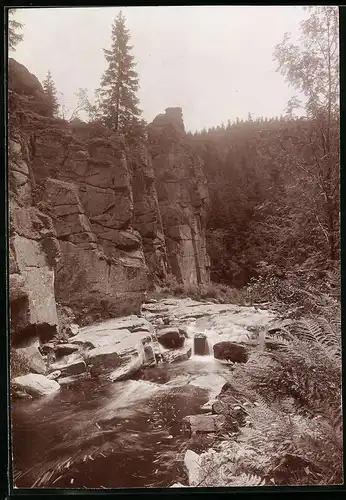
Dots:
{"x": 18, "y": 364}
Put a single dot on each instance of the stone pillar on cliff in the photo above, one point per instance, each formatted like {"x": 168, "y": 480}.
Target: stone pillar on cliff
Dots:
{"x": 182, "y": 197}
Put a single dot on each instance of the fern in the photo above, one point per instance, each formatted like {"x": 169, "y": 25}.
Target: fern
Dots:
{"x": 247, "y": 480}
{"x": 294, "y": 431}
{"x": 318, "y": 330}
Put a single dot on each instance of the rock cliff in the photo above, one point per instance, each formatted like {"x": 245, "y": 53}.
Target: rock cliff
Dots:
{"x": 182, "y": 197}
{"x": 93, "y": 223}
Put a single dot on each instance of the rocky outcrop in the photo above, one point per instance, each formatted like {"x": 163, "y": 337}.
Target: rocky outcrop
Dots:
{"x": 182, "y": 197}
{"x": 72, "y": 364}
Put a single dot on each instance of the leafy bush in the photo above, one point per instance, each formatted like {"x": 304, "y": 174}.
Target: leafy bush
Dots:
{"x": 221, "y": 293}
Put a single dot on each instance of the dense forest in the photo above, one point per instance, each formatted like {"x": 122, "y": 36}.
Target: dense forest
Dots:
{"x": 267, "y": 208}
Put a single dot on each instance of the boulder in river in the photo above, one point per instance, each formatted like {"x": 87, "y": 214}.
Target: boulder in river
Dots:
{"x": 170, "y": 338}
{"x": 192, "y": 462}
{"x": 231, "y": 351}
{"x": 149, "y": 355}
{"x": 176, "y": 355}
{"x": 35, "y": 385}
{"x": 201, "y": 344}
{"x": 203, "y": 424}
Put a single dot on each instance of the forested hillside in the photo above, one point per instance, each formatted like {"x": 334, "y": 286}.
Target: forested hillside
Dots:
{"x": 272, "y": 202}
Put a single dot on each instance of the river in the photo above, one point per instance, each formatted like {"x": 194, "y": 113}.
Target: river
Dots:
{"x": 112, "y": 435}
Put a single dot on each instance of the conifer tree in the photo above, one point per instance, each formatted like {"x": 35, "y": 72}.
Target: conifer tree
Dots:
{"x": 51, "y": 93}
{"x": 14, "y": 36}
{"x": 118, "y": 103}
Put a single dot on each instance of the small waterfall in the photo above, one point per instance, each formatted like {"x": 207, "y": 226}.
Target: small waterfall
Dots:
{"x": 190, "y": 343}
{"x": 200, "y": 342}
{"x": 210, "y": 344}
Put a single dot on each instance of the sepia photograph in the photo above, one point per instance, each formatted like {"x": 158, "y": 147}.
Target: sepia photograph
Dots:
{"x": 174, "y": 247}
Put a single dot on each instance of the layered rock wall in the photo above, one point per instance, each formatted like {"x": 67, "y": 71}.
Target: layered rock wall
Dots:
{"x": 92, "y": 223}
{"x": 182, "y": 197}
{"x": 33, "y": 253}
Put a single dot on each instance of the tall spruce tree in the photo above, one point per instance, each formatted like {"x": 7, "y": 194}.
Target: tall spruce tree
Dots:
{"x": 118, "y": 101}
{"x": 14, "y": 27}
{"x": 51, "y": 93}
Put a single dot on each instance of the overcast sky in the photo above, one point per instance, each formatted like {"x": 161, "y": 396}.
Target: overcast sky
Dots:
{"x": 213, "y": 61}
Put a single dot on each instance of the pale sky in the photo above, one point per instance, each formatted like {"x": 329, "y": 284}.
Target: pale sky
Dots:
{"x": 213, "y": 61}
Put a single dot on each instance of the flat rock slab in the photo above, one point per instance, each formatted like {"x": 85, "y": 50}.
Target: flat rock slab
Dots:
{"x": 65, "y": 349}
{"x": 125, "y": 371}
{"x": 35, "y": 384}
{"x": 121, "y": 340}
{"x": 130, "y": 323}
{"x": 73, "y": 364}
{"x": 102, "y": 358}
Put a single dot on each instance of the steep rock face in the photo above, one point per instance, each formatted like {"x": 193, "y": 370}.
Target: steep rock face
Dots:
{"x": 82, "y": 184}
{"x": 147, "y": 217}
{"x": 33, "y": 253}
{"x": 182, "y": 197}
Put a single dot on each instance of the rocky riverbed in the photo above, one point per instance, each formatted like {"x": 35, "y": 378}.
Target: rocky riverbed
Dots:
{"x": 171, "y": 367}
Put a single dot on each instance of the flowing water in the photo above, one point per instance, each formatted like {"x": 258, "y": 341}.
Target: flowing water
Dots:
{"x": 112, "y": 435}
